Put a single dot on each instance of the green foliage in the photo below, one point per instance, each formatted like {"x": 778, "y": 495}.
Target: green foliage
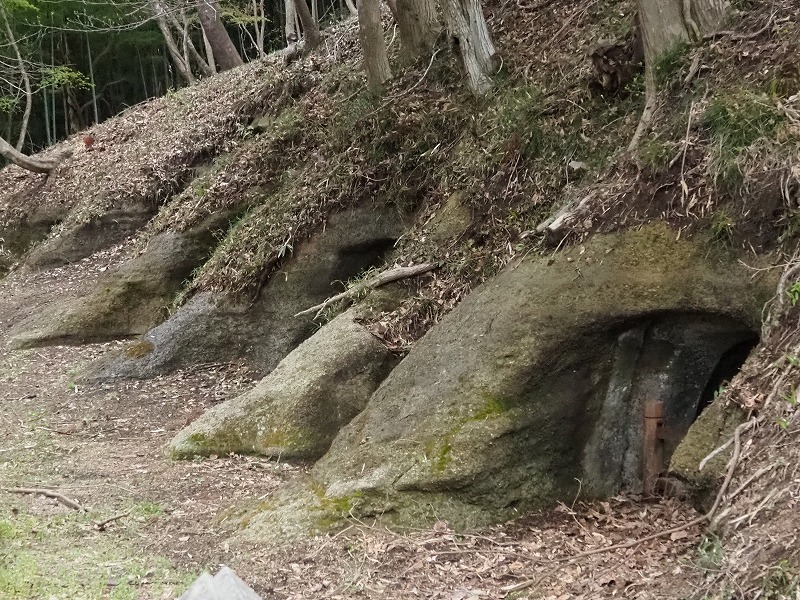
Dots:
{"x": 710, "y": 552}
{"x": 722, "y": 226}
{"x": 39, "y": 558}
{"x": 655, "y": 154}
{"x": 8, "y": 104}
{"x": 518, "y": 121}
{"x": 668, "y": 68}
{"x": 792, "y": 359}
{"x": 58, "y": 76}
{"x": 735, "y": 122}
{"x": 14, "y": 5}
{"x": 794, "y": 293}
{"x": 7, "y": 531}
{"x": 782, "y": 581}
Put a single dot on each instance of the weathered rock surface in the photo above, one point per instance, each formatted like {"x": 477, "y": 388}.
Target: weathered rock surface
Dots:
{"x": 296, "y": 410}
{"x": 85, "y": 239}
{"x": 713, "y": 428}
{"x": 214, "y": 328}
{"x": 17, "y": 236}
{"x": 126, "y": 303}
{"x": 493, "y": 410}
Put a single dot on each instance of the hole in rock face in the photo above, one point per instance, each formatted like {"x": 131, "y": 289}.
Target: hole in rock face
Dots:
{"x": 352, "y": 259}
{"x": 726, "y": 368}
{"x": 679, "y": 360}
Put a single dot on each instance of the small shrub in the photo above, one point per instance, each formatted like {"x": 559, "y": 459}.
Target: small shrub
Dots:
{"x": 794, "y": 293}
{"x": 655, "y": 154}
{"x": 781, "y": 582}
{"x": 722, "y": 226}
{"x": 669, "y": 67}
{"x": 710, "y": 552}
{"x": 735, "y": 123}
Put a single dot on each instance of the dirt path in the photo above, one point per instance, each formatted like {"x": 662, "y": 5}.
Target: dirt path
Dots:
{"x": 103, "y": 447}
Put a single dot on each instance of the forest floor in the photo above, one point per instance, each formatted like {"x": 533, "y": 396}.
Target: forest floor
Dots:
{"x": 102, "y": 446}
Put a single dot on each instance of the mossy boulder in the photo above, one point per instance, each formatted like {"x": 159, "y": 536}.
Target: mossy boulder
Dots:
{"x": 296, "y": 410}
{"x": 84, "y": 239}
{"x": 490, "y": 414}
{"x": 213, "y": 327}
{"x": 125, "y": 303}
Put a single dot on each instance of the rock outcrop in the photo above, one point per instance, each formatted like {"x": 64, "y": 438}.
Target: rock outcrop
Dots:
{"x": 212, "y": 327}
{"x": 505, "y": 404}
{"x": 296, "y": 410}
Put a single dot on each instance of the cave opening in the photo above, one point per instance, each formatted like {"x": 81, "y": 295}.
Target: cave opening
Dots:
{"x": 728, "y": 366}
{"x": 678, "y": 360}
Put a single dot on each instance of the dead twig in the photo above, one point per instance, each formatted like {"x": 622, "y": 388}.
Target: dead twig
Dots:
{"x": 101, "y": 525}
{"x": 380, "y": 279}
{"x": 50, "y": 494}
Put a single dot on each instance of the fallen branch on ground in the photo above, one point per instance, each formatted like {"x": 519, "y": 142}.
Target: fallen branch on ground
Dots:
{"x": 50, "y": 494}
{"x": 101, "y": 525}
{"x": 380, "y": 279}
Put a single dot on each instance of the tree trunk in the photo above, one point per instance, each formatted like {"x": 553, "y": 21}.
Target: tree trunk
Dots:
{"x": 376, "y": 61}
{"x": 663, "y": 25}
{"x": 212, "y": 64}
{"x": 225, "y": 52}
{"x": 183, "y": 68}
{"x": 37, "y": 165}
{"x": 310, "y": 27}
{"x": 290, "y": 31}
{"x": 91, "y": 80}
{"x": 419, "y": 27}
{"x": 467, "y": 28}
{"x": 26, "y": 80}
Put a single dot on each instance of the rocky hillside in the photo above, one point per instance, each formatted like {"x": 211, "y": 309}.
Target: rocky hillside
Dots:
{"x": 520, "y": 285}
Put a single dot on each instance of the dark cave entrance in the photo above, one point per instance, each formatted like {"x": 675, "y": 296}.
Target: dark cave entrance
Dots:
{"x": 679, "y": 360}
{"x": 728, "y": 366}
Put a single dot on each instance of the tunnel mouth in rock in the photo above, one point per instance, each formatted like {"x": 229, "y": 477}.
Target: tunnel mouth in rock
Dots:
{"x": 678, "y": 360}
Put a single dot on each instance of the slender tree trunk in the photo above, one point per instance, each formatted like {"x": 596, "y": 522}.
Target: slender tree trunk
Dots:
{"x": 91, "y": 80}
{"x": 190, "y": 51}
{"x": 46, "y": 103}
{"x": 664, "y": 24}
{"x": 467, "y": 28}
{"x": 376, "y": 61}
{"x": 141, "y": 70}
{"x": 259, "y": 26}
{"x": 419, "y": 27}
{"x": 225, "y": 52}
{"x": 183, "y": 68}
{"x": 310, "y": 27}
{"x": 212, "y": 63}
{"x": 26, "y": 80}
{"x": 290, "y": 30}
{"x": 351, "y": 7}
{"x": 54, "y": 128}
{"x": 37, "y": 165}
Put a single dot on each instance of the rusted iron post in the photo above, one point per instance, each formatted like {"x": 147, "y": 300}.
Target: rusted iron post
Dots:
{"x": 653, "y": 451}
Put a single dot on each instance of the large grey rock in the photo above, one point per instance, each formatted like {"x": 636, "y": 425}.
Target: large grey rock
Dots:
{"x": 80, "y": 241}
{"x": 213, "y": 328}
{"x": 296, "y": 410}
{"x": 125, "y": 303}
{"x": 493, "y": 410}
